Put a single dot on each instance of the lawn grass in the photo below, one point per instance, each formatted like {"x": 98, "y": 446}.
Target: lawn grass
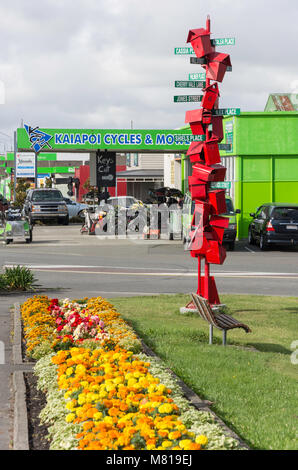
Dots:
{"x": 251, "y": 382}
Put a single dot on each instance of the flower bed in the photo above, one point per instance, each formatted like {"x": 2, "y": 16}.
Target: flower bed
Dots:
{"x": 102, "y": 393}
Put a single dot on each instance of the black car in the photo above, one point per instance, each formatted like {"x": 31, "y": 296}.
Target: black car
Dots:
{"x": 274, "y": 224}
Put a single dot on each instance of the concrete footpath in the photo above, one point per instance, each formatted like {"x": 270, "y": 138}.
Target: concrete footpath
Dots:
{"x": 11, "y": 376}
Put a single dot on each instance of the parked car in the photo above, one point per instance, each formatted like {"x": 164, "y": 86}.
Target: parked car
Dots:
{"x": 121, "y": 201}
{"x": 274, "y": 224}
{"x": 46, "y": 203}
{"x": 75, "y": 209}
{"x": 229, "y": 233}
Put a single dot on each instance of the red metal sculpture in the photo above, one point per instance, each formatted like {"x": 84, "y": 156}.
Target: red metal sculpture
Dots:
{"x": 207, "y": 224}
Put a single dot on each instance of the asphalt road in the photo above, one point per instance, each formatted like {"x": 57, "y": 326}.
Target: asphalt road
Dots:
{"x": 74, "y": 265}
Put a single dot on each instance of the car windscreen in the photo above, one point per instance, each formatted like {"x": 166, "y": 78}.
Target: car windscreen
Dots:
{"x": 288, "y": 213}
{"x": 40, "y": 196}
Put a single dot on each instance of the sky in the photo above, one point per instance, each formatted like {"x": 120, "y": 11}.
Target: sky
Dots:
{"x": 110, "y": 64}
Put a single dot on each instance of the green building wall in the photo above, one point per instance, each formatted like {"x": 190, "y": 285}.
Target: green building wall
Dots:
{"x": 265, "y": 159}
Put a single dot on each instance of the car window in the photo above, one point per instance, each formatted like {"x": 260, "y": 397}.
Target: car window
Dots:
{"x": 290, "y": 213}
{"x": 52, "y": 195}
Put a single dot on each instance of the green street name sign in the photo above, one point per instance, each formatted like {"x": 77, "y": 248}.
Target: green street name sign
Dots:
{"x": 188, "y": 50}
{"x": 223, "y": 42}
{"x": 189, "y": 84}
{"x": 197, "y": 76}
{"x": 119, "y": 140}
{"x": 226, "y": 112}
{"x": 187, "y": 98}
{"x": 221, "y": 185}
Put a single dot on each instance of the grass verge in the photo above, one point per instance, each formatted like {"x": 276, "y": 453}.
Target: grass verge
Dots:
{"x": 251, "y": 382}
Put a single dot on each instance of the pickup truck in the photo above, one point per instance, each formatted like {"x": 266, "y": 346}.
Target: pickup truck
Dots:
{"x": 44, "y": 204}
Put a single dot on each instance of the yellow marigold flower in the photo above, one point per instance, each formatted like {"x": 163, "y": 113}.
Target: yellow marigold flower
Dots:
{"x": 165, "y": 408}
{"x": 184, "y": 443}
{"x": 69, "y": 371}
{"x": 97, "y": 416}
{"x": 203, "y": 440}
{"x": 166, "y": 444}
{"x": 70, "y": 417}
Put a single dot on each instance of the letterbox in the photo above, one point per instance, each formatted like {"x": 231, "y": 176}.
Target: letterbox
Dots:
{"x": 217, "y": 128}
{"x": 218, "y": 201}
{"x": 195, "y": 152}
{"x": 216, "y": 254}
{"x": 201, "y": 214}
{"x": 195, "y": 119}
{"x": 200, "y": 41}
{"x": 198, "y": 191}
{"x": 215, "y": 172}
{"x": 218, "y": 233}
{"x": 211, "y": 152}
{"x": 219, "y": 221}
{"x": 211, "y": 93}
{"x": 217, "y": 66}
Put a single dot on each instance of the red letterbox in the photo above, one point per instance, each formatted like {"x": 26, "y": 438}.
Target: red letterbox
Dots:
{"x": 217, "y": 66}
{"x": 218, "y": 233}
{"x": 200, "y": 41}
{"x": 210, "y": 96}
{"x": 219, "y": 221}
{"x": 217, "y": 128}
{"x": 216, "y": 254}
{"x": 218, "y": 201}
{"x": 198, "y": 191}
{"x": 195, "y": 120}
{"x": 195, "y": 152}
{"x": 211, "y": 152}
{"x": 201, "y": 214}
{"x": 209, "y": 173}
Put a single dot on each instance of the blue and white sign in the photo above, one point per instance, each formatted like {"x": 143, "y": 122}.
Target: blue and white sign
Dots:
{"x": 25, "y": 165}
{"x": 38, "y": 138}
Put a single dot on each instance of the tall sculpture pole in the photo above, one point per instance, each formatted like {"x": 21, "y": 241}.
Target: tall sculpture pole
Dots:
{"x": 208, "y": 224}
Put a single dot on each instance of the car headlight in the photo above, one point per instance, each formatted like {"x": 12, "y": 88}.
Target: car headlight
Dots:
{"x": 62, "y": 208}
{"x": 233, "y": 226}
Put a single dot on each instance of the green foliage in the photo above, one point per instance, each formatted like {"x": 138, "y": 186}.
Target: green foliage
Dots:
{"x": 17, "y": 278}
{"x": 21, "y": 188}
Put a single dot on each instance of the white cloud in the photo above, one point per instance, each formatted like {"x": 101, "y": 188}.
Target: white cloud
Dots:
{"x": 106, "y": 62}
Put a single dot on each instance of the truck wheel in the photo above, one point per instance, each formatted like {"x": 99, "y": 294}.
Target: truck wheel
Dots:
{"x": 8, "y": 241}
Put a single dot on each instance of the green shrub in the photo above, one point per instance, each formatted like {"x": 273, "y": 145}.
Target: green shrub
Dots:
{"x": 19, "y": 278}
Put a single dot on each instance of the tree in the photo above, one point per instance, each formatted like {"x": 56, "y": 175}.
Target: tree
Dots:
{"x": 21, "y": 191}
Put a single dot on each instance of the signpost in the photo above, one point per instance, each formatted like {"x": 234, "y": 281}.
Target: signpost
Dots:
{"x": 206, "y": 183}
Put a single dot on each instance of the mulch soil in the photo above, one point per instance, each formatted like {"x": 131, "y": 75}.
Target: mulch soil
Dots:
{"x": 35, "y": 403}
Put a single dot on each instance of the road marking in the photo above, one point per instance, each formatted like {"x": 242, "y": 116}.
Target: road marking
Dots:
{"x": 248, "y": 249}
{"x": 132, "y": 271}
